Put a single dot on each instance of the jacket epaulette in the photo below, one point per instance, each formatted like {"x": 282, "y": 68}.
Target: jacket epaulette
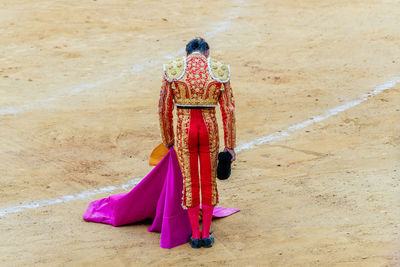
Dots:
{"x": 175, "y": 69}
{"x": 218, "y": 70}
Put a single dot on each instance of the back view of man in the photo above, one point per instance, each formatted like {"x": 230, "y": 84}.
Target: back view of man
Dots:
{"x": 196, "y": 84}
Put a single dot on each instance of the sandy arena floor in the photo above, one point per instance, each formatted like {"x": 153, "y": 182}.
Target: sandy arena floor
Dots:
{"x": 79, "y": 87}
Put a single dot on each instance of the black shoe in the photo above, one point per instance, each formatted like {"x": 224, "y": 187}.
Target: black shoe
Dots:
{"x": 208, "y": 241}
{"x": 195, "y": 242}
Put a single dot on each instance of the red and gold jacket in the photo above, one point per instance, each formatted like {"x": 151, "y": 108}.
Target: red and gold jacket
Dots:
{"x": 196, "y": 81}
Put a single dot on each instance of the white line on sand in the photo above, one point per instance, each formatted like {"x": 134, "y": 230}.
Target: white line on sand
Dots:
{"x": 219, "y": 27}
{"x": 269, "y": 138}
{"x": 329, "y": 113}
{"x": 67, "y": 198}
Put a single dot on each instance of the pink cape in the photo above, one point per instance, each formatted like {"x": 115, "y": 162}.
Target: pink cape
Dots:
{"x": 158, "y": 196}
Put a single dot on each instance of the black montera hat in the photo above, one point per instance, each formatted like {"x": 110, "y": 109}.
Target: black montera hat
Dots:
{"x": 224, "y": 165}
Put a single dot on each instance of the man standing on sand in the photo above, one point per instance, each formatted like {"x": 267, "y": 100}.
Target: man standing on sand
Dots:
{"x": 196, "y": 84}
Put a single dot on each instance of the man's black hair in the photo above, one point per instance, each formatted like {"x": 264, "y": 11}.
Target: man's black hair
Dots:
{"x": 197, "y": 44}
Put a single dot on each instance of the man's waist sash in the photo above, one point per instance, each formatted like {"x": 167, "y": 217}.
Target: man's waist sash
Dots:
{"x": 195, "y": 106}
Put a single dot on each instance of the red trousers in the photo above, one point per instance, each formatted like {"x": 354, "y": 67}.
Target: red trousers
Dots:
{"x": 198, "y": 143}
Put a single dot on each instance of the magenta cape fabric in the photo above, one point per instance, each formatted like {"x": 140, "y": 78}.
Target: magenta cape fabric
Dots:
{"x": 158, "y": 196}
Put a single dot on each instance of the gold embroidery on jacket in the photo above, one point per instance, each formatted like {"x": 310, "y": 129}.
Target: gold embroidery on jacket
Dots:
{"x": 165, "y": 108}
{"x": 182, "y": 145}
{"x": 227, "y": 104}
{"x": 175, "y": 69}
{"x": 218, "y": 70}
{"x": 194, "y": 85}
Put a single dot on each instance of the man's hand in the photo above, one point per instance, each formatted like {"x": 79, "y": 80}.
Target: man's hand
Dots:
{"x": 232, "y": 152}
{"x": 169, "y": 145}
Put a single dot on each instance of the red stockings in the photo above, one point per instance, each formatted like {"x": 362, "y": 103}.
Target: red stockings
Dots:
{"x": 207, "y": 217}
{"x": 194, "y": 221}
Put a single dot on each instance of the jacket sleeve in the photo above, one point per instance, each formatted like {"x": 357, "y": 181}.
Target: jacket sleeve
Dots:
{"x": 165, "y": 109}
{"x": 227, "y": 104}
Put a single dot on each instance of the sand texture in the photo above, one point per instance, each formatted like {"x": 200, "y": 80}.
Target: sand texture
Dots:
{"x": 79, "y": 89}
